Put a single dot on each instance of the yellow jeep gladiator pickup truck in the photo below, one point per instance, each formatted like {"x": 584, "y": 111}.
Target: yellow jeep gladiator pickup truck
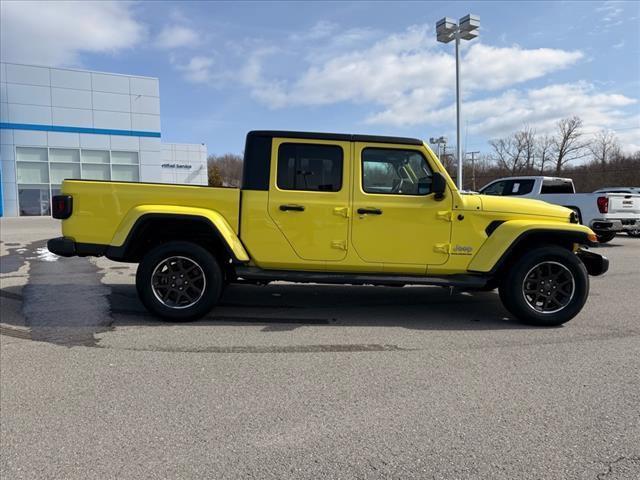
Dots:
{"x": 331, "y": 208}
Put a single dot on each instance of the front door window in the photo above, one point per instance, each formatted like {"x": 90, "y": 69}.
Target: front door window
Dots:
{"x": 399, "y": 172}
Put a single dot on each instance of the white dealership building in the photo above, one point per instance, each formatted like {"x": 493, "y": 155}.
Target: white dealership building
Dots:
{"x": 58, "y": 123}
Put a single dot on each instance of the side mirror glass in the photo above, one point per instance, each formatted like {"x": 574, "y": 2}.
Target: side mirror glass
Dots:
{"x": 438, "y": 185}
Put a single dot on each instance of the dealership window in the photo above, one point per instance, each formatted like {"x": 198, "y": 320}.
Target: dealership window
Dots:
{"x": 40, "y": 172}
{"x": 95, "y": 165}
{"x": 31, "y": 165}
{"x": 31, "y": 154}
{"x": 33, "y": 199}
{"x": 65, "y": 155}
{"x": 124, "y": 166}
{"x": 310, "y": 167}
{"x": 64, "y": 163}
{"x": 32, "y": 172}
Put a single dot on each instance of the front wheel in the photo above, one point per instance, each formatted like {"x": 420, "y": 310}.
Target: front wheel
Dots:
{"x": 548, "y": 286}
{"x": 604, "y": 237}
{"x": 634, "y": 233}
{"x": 179, "y": 281}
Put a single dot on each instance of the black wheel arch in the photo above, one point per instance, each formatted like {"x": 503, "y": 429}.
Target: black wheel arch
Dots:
{"x": 577, "y": 210}
{"x": 534, "y": 238}
{"x": 153, "y": 229}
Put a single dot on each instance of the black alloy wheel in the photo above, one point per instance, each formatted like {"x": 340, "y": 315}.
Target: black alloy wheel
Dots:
{"x": 179, "y": 281}
{"x": 547, "y": 286}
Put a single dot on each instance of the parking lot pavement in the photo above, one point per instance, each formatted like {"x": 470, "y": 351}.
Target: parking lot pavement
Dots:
{"x": 290, "y": 381}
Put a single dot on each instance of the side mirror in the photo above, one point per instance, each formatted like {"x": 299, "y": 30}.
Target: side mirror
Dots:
{"x": 438, "y": 185}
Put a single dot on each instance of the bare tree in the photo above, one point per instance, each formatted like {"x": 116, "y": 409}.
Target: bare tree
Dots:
{"x": 544, "y": 149}
{"x": 569, "y": 144}
{"x": 526, "y": 141}
{"x": 516, "y": 152}
{"x": 213, "y": 174}
{"x": 229, "y": 168}
{"x": 508, "y": 153}
{"x": 604, "y": 147}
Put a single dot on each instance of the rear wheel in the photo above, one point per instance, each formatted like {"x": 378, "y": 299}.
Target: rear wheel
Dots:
{"x": 546, "y": 287}
{"x": 604, "y": 237}
{"x": 179, "y": 281}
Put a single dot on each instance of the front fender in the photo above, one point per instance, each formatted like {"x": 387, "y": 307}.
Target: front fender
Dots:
{"x": 217, "y": 220}
{"x": 509, "y": 234}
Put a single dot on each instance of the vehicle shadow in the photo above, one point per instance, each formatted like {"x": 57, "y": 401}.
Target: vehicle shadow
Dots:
{"x": 281, "y": 307}
{"x": 611, "y": 244}
{"x": 277, "y": 307}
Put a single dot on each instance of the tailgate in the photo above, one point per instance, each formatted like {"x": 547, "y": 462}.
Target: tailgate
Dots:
{"x": 624, "y": 203}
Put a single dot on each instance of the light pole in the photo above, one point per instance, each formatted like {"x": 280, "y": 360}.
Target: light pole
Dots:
{"x": 438, "y": 141}
{"x": 446, "y": 31}
{"x": 473, "y": 169}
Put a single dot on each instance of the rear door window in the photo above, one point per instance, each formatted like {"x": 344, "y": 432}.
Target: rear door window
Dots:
{"x": 309, "y": 167}
{"x": 519, "y": 187}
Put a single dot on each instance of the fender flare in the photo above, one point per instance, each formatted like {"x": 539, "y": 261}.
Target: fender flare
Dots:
{"x": 511, "y": 234}
{"x": 136, "y": 217}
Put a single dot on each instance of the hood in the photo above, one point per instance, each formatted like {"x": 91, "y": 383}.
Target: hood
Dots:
{"x": 523, "y": 206}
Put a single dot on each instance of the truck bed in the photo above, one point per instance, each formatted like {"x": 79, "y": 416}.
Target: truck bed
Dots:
{"x": 100, "y": 206}
{"x": 620, "y": 204}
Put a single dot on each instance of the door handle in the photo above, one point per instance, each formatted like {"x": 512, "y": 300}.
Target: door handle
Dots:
{"x": 369, "y": 211}
{"x": 292, "y": 208}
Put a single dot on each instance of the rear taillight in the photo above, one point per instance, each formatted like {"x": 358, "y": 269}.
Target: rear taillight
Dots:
{"x": 603, "y": 204}
{"x": 61, "y": 206}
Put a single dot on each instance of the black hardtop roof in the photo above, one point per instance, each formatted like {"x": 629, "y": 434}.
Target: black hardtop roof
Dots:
{"x": 344, "y": 137}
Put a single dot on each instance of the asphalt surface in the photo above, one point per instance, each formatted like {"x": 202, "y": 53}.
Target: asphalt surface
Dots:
{"x": 291, "y": 381}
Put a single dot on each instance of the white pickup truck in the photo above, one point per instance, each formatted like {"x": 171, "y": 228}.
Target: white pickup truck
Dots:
{"x": 632, "y": 231}
{"x": 606, "y": 213}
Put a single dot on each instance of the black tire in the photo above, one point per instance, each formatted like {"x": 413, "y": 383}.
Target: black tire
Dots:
{"x": 179, "y": 301}
{"x": 604, "y": 237}
{"x": 519, "y": 287}
{"x": 634, "y": 233}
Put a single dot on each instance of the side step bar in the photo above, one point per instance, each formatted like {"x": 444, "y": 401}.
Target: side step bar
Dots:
{"x": 255, "y": 274}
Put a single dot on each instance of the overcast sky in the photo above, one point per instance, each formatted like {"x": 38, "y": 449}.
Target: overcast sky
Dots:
{"x": 226, "y": 68}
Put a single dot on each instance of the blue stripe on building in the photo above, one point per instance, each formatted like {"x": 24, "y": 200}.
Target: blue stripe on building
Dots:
{"x": 64, "y": 129}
